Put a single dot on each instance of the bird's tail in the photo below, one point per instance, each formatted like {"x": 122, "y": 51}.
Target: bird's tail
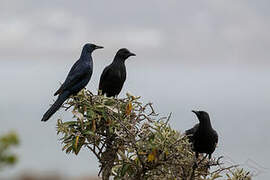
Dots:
{"x": 58, "y": 103}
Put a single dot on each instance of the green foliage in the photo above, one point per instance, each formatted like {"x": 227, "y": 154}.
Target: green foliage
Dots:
{"x": 6, "y": 142}
{"x": 131, "y": 141}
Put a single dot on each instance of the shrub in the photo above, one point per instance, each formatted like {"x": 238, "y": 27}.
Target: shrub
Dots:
{"x": 6, "y": 142}
{"x": 131, "y": 141}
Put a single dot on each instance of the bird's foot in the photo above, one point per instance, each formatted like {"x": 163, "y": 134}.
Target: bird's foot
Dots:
{"x": 208, "y": 165}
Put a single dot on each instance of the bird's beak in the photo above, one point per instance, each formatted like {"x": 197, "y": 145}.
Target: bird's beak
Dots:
{"x": 99, "y": 47}
{"x": 196, "y": 112}
{"x": 132, "y": 54}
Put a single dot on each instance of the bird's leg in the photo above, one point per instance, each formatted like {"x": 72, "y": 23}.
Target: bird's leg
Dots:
{"x": 208, "y": 164}
{"x": 202, "y": 159}
{"x": 99, "y": 92}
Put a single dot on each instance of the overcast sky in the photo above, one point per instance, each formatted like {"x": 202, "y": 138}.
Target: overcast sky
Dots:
{"x": 221, "y": 31}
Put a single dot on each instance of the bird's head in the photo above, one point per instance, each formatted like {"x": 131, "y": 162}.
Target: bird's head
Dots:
{"x": 202, "y": 115}
{"x": 89, "y": 48}
{"x": 123, "y": 54}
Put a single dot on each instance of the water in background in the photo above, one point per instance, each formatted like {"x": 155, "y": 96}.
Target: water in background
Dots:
{"x": 237, "y": 99}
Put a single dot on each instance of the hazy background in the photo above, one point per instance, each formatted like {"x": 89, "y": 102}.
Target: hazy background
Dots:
{"x": 211, "y": 55}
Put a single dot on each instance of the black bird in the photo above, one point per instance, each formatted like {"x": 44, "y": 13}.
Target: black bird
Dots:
{"x": 78, "y": 77}
{"x": 202, "y": 136}
{"x": 113, "y": 76}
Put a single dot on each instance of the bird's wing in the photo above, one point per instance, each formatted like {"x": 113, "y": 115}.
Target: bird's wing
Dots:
{"x": 74, "y": 75}
{"x": 190, "y": 132}
{"x": 109, "y": 76}
{"x": 105, "y": 74}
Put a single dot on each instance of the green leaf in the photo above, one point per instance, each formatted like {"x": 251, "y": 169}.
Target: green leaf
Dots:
{"x": 68, "y": 123}
{"x": 125, "y": 168}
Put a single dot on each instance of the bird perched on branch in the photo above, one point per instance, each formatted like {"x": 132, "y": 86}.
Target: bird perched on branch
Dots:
{"x": 202, "y": 136}
{"x": 113, "y": 76}
{"x": 78, "y": 77}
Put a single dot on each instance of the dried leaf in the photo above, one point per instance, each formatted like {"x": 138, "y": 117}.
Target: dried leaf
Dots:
{"x": 93, "y": 125}
{"x": 152, "y": 156}
{"x": 129, "y": 108}
{"x": 76, "y": 142}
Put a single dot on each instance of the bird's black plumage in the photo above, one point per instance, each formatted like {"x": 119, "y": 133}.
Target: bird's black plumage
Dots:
{"x": 202, "y": 136}
{"x": 113, "y": 76}
{"x": 77, "y": 78}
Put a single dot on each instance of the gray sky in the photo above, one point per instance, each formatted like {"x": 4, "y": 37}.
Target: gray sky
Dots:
{"x": 211, "y": 55}
{"x": 223, "y": 31}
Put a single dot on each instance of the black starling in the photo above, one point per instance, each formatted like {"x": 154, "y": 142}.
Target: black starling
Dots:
{"x": 202, "y": 136}
{"x": 113, "y": 76}
{"x": 78, "y": 77}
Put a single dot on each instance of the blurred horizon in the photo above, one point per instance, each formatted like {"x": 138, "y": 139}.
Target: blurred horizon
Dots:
{"x": 210, "y": 55}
